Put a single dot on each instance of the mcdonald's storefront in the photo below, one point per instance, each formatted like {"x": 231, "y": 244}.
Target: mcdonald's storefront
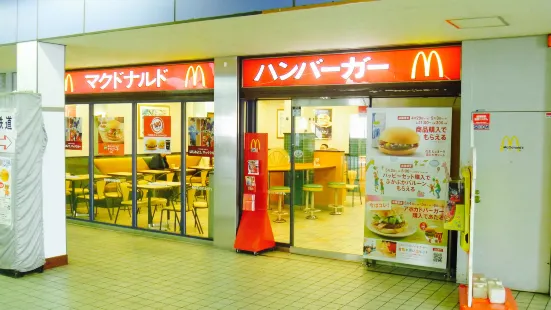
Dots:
{"x": 127, "y": 131}
{"x": 325, "y": 115}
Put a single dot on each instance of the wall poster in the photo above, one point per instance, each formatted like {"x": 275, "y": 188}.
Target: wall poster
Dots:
{"x": 157, "y": 134}
{"x": 110, "y": 135}
{"x": 407, "y": 179}
{"x": 323, "y": 123}
{"x": 5, "y": 192}
{"x": 201, "y": 136}
{"x": 73, "y": 133}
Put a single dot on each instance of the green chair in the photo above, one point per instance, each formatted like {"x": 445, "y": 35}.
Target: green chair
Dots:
{"x": 310, "y": 190}
{"x": 280, "y": 191}
{"x": 336, "y": 186}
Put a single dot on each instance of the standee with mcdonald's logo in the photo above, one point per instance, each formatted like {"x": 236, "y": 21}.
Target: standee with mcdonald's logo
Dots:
{"x": 255, "y": 231}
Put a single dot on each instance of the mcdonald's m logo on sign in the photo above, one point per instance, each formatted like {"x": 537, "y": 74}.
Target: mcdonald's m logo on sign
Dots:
{"x": 255, "y": 145}
{"x": 510, "y": 144}
{"x": 193, "y": 72}
{"x": 427, "y": 62}
{"x": 69, "y": 86}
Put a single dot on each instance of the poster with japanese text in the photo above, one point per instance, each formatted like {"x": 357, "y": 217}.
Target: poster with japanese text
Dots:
{"x": 323, "y": 123}
{"x": 8, "y": 132}
{"x": 407, "y": 176}
{"x": 157, "y": 134}
{"x": 5, "y": 192}
{"x": 201, "y": 136}
{"x": 110, "y": 135}
{"x": 73, "y": 133}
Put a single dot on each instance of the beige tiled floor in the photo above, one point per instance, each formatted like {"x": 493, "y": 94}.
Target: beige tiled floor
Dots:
{"x": 120, "y": 270}
{"x": 335, "y": 233}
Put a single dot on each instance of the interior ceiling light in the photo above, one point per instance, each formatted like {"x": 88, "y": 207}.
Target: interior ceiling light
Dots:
{"x": 479, "y": 22}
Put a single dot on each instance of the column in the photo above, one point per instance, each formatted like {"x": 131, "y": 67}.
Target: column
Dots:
{"x": 41, "y": 69}
{"x": 226, "y": 104}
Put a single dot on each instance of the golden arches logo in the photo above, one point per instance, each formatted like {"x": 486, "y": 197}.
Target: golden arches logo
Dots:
{"x": 192, "y": 72}
{"x": 427, "y": 61}
{"x": 69, "y": 83}
{"x": 510, "y": 144}
{"x": 255, "y": 145}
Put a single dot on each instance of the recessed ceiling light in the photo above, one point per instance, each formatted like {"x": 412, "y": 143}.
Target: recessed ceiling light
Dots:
{"x": 479, "y": 22}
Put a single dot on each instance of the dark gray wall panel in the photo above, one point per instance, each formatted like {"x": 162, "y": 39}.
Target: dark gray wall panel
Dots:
{"x": 115, "y": 14}
{"x": 27, "y": 13}
{"x": 58, "y": 18}
{"x": 193, "y": 9}
{"x": 8, "y": 21}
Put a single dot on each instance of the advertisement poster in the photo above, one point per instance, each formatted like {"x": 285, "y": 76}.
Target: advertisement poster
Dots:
{"x": 157, "y": 134}
{"x": 73, "y": 133}
{"x": 323, "y": 123}
{"x": 407, "y": 182}
{"x": 5, "y": 191}
{"x": 201, "y": 136}
{"x": 110, "y": 135}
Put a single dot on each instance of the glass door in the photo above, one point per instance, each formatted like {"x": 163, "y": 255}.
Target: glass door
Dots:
{"x": 327, "y": 150}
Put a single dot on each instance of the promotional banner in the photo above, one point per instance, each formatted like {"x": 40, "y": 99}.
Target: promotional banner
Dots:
{"x": 323, "y": 127}
{"x": 5, "y": 191}
{"x": 407, "y": 180}
{"x": 110, "y": 135}
{"x": 157, "y": 134}
{"x": 201, "y": 136}
{"x": 73, "y": 133}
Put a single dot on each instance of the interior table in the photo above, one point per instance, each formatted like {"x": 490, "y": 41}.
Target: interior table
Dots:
{"x": 80, "y": 178}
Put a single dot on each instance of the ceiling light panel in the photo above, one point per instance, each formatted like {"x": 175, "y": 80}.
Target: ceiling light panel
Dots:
{"x": 479, "y": 22}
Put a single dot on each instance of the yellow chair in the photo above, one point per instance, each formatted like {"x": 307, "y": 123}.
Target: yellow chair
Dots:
{"x": 278, "y": 157}
{"x": 352, "y": 186}
{"x": 336, "y": 186}
{"x": 280, "y": 191}
{"x": 310, "y": 189}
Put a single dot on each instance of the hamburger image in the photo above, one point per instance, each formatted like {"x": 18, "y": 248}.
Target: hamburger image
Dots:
{"x": 162, "y": 144}
{"x": 398, "y": 141}
{"x": 151, "y": 144}
{"x": 114, "y": 130}
{"x": 4, "y": 175}
{"x": 389, "y": 221}
{"x": 323, "y": 120}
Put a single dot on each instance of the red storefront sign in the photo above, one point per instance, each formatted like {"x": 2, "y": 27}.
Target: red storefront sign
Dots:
{"x": 173, "y": 77}
{"x": 394, "y": 66}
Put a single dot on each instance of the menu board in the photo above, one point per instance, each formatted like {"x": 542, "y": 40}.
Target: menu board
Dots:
{"x": 407, "y": 175}
{"x": 110, "y": 135}
{"x": 157, "y": 134}
{"x": 73, "y": 133}
{"x": 201, "y": 136}
{"x": 5, "y": 191}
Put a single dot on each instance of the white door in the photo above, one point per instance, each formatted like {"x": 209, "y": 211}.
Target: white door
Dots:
{"x": 512, "y": 237}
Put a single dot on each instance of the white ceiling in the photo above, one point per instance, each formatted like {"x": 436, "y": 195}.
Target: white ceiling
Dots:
{"x": 359, "y": 25}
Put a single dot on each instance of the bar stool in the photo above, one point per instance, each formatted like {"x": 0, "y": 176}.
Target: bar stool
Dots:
{"x": 280, "y": 191}
{"x": 310, "y": 189}
{"x": 336, "y": 186}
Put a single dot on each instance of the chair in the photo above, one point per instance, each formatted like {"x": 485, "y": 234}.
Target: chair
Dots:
{"x": 310, "y": 189}
{"x": 126, "y": 201}
{"x": 77, "y": 192}
{"x": 278, "y": 157}
{"x": 204, "y": 180}
{"x": 99, "y": 198}
{"x": 336, "y": 186}
{"x": 280, "y": 191}
{"x": 175, "y": 197}
{"x": 190, "y": 207}
{"x": 352, "y": 186}
{"x": 155, "y": 201}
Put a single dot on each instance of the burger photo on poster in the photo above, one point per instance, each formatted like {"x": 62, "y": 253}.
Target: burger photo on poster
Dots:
{"x": 390, "y": 223}
{"x": 151, "y": 144}
{"x": 114, "y": 131}
{"x": 399, "y": 141}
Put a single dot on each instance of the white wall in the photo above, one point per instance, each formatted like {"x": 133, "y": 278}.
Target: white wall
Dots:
{"x": 501, "y": 75}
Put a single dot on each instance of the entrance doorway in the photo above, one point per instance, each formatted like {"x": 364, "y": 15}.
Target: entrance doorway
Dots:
{"x": 317, "y": 150}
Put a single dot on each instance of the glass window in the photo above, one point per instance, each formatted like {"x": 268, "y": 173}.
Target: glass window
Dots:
{"x": 199, "y": 167}
{"x": 158, "y": 166}
{"x": 76, "y": 160}
{"x": 113, "y": 163}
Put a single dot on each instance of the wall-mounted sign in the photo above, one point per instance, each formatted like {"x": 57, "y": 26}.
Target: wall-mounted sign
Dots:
{"x": 394, "y": 66}
{"x": 201, "y": 136}
{"x": 173, "y": 77}
{"x": 8, "y": 132}
{"x": 157, "y": 133}
{"x": 73, "y": 133}
{"x": 110, "y": 135}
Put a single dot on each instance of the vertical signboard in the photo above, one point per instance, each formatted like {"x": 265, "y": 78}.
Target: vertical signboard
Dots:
{"x": 8, "y": 132}
{"x": 407, "y": 179}
{"x": 157, "y": 134}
